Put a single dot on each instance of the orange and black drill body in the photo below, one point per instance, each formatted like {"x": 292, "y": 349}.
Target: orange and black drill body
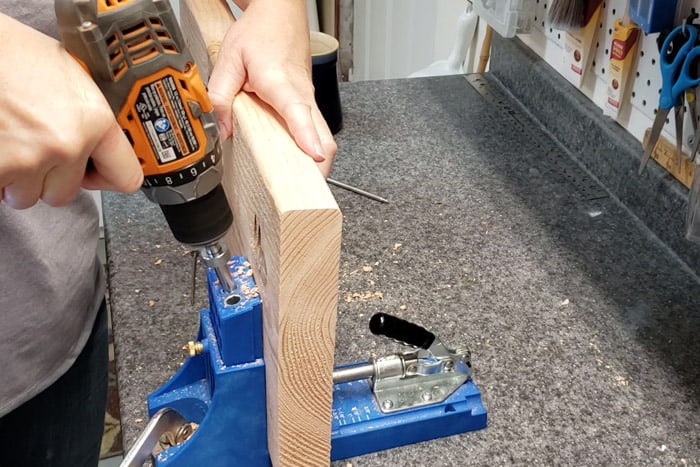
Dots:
{"x": 135, "y": 52}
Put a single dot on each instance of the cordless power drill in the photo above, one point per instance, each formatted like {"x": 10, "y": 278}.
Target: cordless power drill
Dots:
{"x": 135, "y": 52}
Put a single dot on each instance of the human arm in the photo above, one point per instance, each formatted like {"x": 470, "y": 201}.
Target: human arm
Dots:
{"x": 267, "y": 52}
{"x": 53, "y": 118}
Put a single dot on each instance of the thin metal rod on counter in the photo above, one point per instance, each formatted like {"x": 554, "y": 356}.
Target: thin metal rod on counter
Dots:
{"x": 359, "y": 191}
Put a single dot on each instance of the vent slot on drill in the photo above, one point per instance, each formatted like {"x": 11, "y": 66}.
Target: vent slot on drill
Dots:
{"x": 116, "y": 56}
{"x": 162, "y": 36}
{"x": 138, "y": 43}
{"x": 104, "y": 5}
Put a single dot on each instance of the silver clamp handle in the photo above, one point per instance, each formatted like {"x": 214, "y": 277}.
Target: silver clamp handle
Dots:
{"x": 165, "y": 421}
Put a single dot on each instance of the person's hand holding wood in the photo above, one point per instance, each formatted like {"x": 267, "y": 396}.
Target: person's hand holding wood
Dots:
{"x": 266, "y": 52}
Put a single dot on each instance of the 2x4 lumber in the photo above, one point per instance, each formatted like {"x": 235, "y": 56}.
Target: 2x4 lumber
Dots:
{"x": 288, "y": 225}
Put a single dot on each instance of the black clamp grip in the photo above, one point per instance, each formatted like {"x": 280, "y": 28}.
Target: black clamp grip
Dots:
{"x": 401, "y": 330}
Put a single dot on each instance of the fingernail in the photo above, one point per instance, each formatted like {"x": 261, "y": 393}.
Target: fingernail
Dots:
{"x": 320, "y": 156}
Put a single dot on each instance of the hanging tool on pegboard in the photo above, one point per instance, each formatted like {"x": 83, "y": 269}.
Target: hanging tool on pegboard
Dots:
{"x": 678, "y": 58}
{"x": 653, "y": 15}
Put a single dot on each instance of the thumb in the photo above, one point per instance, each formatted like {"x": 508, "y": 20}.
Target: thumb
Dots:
{"x": 116, "y": 166}
{"x": 225, "y": 82}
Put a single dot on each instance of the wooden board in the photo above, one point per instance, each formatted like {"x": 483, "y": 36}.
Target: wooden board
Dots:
{"x": 288, "y": 225}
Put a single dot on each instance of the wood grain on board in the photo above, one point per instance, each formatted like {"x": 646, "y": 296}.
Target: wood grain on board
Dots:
{"x": 288, "y": 225}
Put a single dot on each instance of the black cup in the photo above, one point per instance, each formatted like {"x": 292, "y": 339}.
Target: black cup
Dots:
{"x": 324, "y": 61}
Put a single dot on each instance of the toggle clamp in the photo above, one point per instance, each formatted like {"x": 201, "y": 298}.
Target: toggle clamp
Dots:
{"x": 213, "y": 410}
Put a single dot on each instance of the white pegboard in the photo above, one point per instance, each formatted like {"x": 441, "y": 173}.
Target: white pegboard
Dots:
{"x": 547, "y": 42}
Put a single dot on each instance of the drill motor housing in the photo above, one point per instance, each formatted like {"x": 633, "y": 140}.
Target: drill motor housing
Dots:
{"x": 136, "y": 53}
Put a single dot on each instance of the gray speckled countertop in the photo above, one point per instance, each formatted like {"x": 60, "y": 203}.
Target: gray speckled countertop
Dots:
{"x": 583, "y": 326}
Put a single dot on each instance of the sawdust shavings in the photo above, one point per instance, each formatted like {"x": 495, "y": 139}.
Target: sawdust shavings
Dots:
{"x": 367, "y": 268}
{"x": 242, "y": 271}
{"x": 246, "y": 270}
{"x": 367, "y": 295}
{"x": 620, "y": 380}
{"x": 248, "y": 292}
{"x": 363, "y": 296}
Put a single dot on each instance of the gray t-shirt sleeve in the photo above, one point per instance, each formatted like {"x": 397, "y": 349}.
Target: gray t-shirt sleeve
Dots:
{"x": 51, "y": 283}
{"x": 51, "y": 286}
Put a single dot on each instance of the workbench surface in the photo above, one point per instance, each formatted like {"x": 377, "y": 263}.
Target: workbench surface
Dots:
{"x": 583, "y": 327}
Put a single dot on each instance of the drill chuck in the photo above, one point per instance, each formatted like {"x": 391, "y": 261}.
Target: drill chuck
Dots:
{"x": 216, "y": 257}
{"x": 201, "y": 221}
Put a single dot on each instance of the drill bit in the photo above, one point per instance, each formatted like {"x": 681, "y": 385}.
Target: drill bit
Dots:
{"x": 194, "y": 273}
{"x": 359, "y": 191}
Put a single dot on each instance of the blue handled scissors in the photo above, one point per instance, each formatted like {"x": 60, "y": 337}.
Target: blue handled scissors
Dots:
{"x": 678, "y": 73}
